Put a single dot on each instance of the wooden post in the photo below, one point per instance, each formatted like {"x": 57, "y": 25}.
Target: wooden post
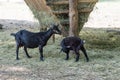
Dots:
{"x": 73, "y": 18}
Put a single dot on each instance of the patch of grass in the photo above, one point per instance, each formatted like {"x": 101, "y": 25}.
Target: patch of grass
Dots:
{"x": 104, "y": 64}
{"x": 100, "y": 39}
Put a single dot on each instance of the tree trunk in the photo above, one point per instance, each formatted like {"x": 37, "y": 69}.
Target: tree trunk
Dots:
{"x": 73, "y": 16}
{"x": 36, "y": 7}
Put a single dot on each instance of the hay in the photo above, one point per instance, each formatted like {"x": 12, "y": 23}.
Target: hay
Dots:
{"x": 62, "y": 11}
{"x": 42, "y": 13}
{"x": 45, "y": 16}
{"x": 100, "y": 38}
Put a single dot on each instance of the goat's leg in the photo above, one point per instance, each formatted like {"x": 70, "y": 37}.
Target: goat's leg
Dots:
{"x": 17, "y": 51}
{"x": 67, "y": 54}
{"x": 85, "y": 53}
{"x": 41, "y": 53}
{"x": 77, "y": 55}
{"x": 25, "y": 49}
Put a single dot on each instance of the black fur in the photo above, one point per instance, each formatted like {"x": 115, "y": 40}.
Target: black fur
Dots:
{"x": 29, "y": 39}
{"x": 75, "y": 44}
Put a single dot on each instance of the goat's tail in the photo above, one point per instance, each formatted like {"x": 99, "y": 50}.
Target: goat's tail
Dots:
{"x": 12, "y": 34}
{"x": 81, "y": 43}
{"x": 84, "y": 41}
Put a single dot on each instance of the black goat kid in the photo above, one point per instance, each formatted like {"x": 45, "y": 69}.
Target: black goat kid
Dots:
{"x": 28, "y": 39}
{"x": 75, "y": 44}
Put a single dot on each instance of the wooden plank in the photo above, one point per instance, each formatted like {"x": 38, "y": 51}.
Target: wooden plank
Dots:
{"x": 64, "y": 22}
{"x": 57, "y": 3}
{"x": 73, "y": 18}
{"x": 81, "y": 1}
{"x": 66, "y": 2}
{"x": 85, "y": 10}
{"x": 67, "y": 11}
{"x": 61, "y": 12}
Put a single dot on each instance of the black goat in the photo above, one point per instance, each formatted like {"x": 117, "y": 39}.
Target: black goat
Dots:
{"x": 28, "y": 39}
{"x": 75, "y": 44}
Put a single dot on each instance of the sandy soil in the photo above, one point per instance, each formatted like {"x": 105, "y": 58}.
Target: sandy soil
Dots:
{"x": 15, "y": 14}
{"x": 104, "y": 15}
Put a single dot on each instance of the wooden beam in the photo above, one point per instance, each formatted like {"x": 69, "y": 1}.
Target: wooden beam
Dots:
{"x": 61, "y": 12}
{"x": 67, "y": 11}
{"x": 64, "y": 22}
{"x": 85, "y": 10}
{"x": 66, "y": 2}
{"x": 80, "y": 1}
{"x": 73, "y": 18}
{"x": 57, "y": 3}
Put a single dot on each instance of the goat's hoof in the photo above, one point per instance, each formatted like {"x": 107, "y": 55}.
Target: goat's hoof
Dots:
{"x": 76, "y": 60}
{"x": 29, "y": 56}
{"x": 41, "y": 59}
{"x": 66, "y": 59}
{"x": 87, "y": 61}
{"x": 17, "y": 59}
